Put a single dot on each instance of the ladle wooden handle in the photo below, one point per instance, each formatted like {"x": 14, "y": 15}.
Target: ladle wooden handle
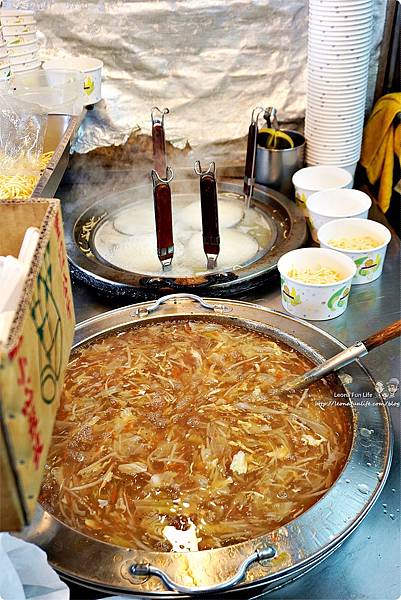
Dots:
{"x": 159, "y": 149}
{"x": 210, "y": 217}
{"x": 164, "y": 223}
{"x": 384, "y": 335}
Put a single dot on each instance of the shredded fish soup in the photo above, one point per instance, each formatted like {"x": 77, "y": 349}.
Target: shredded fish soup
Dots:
{"x": 170, "y": 430}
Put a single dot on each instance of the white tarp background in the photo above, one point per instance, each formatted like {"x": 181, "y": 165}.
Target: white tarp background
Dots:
{"x": 209, "y": 61}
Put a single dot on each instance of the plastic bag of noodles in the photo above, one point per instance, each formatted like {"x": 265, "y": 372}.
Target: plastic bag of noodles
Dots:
{"x": 22, "y": 132}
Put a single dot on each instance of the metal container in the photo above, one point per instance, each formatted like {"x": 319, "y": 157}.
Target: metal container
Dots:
{"x": 264, "y": 563}
{"x": 60, "y": 130}
{"x": 274, "y": 167}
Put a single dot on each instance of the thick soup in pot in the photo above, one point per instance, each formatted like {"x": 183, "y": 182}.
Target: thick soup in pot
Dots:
{"x": 168, "y": 438}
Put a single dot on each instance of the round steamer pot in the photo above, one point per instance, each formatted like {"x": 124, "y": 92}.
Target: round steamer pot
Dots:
{"x": 288, "y": 231}
{"x": 266, "y": 562}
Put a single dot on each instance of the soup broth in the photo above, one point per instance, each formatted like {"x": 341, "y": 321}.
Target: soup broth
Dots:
{"x": 171, "y": 429}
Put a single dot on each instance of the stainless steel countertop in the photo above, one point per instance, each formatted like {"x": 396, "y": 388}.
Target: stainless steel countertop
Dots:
{"x": 367, "y": 566}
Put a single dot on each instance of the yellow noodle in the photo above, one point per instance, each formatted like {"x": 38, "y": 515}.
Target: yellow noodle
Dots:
{"x": 22, "y": 186}
{"x": 355, "y": 243}
{"x": 45, "y": 159}
{"x": 317, "y": 275}
{"x": 17, "y": 186}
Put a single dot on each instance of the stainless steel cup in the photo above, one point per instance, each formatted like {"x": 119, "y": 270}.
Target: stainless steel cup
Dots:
{"x": 275, "y": 168}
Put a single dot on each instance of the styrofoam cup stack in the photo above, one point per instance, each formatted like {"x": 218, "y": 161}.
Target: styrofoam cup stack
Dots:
{"x": 338, "y": 60}
{"x": 19, "y": 32}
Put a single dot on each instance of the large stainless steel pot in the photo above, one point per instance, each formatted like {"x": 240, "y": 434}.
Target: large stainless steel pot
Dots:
{"x": 268, "y": 561}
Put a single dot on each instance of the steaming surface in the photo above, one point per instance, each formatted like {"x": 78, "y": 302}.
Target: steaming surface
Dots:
{"x": 230, "y": 214}
{"x": 128, "y": 240}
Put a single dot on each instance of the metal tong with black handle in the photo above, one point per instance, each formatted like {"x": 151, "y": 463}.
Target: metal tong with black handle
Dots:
{"x": 163, "y": 217}
{"x": 159, "y": 140}
{"x": 210, "y": 213}
{"x": 249, "y": 178}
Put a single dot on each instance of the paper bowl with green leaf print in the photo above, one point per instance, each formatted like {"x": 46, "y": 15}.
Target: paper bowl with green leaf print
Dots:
{"x": 309, "y": 180}
{"x": 91, "y": 68}
{"x": 315, "y": 301}
{"x": 355, "y": 233}
{"x": 329, "y": 205}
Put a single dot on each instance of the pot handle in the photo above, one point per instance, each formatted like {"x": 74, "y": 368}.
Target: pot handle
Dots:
{"x": 138, "y": 570}
{"x": 144, "y": 311}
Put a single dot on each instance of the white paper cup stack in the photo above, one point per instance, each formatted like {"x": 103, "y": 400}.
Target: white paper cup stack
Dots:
{"x": 19, "y": 32}
{"x": 338, "y": 60}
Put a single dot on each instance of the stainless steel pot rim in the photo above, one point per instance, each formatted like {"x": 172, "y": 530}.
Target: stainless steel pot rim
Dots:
{"x": 300, "y": 542}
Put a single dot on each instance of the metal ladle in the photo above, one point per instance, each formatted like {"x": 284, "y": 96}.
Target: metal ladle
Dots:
{"x": 342, "y": 359}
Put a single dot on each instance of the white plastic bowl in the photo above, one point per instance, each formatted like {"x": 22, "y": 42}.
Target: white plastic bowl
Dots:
{"x": 346, "y": 123}
{"x": 341, "y": 162}
{"x": 23, "y": 38}
{"x": 26, "y": 66}
{"x": 21, "y": 49}
{"x": 328, "y": 205}
{"x": 90, "y": 67}
{"x": 331, "y": 32}
{"x": 318, "y": 302}
{"x": 312, "y": 179}
{"x": 24, "y": 58}
{"x": 19, "y": 29}
{"x": 58, "y": 91}
{"x": 5, "y": 72}
{"x": 16, "y": 17}
{"x": 331, "y": 146}
{"x": 337, "y": 78}
{"x": 369, "y": 263}
{"x": 338, "y": 149}
{"x": 316, "y": 99}
{"x": 3, "y": 50}
{"x": 15, "y": 21}
{"x": 322, "y": 44}
{"x": 335, "y": 119}
{"x": 349, "y": 167}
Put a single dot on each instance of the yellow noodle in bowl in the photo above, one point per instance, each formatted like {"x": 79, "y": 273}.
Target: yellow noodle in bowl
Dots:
{"x": 318, "y": 274}
{"x": 365, "y": 242}
{"x": 315, "y": 282}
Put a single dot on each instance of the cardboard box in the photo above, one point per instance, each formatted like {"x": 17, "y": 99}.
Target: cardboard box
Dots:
{"x": 33, "y": 361}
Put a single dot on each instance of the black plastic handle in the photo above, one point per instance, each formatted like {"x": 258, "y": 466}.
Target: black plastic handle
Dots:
{"x": 249, "y": 179}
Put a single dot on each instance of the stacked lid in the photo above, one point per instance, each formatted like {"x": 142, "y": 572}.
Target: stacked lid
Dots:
{"x": 20, "y": 49}
{"x": 338, "y": 60}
